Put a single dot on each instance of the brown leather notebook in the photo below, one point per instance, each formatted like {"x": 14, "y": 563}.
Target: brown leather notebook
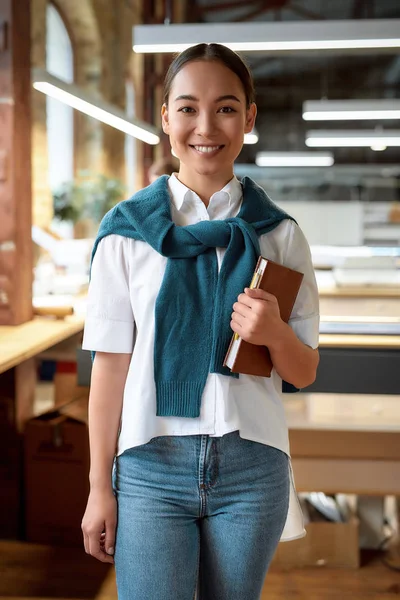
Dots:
{"x": 284, "y": 284}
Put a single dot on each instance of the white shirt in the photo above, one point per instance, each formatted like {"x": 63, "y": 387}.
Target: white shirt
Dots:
{"x": 126, "y": 277}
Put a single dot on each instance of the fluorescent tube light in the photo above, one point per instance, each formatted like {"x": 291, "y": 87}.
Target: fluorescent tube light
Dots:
{"x": 358, "y": 170}
{"x": 106, "y": 113}
{"x": 252, "y": 137}
{"x": 341, "y": 110}
{"x": 362, "y": 34}
{"x": 357, "y": 138}
{"x": 294, "y": 159}
{"x": 352, "y": 174}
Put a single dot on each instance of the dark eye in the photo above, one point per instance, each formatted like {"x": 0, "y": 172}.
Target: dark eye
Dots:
{"x": 186, "y": 109}
{"x": 226, "y": 109}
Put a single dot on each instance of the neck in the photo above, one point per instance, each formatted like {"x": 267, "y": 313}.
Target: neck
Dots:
{"x": 204, "y": 185}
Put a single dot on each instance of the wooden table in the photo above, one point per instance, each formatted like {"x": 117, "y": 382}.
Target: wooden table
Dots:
{"x": 359, "y": 292}
{"x": 18, "y": 347}
{"x": 345, "y": 442}
{"x": 21, "y": 342}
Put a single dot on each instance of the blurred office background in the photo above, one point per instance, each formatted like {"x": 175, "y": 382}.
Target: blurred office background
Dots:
{"x": 80, "y": 97}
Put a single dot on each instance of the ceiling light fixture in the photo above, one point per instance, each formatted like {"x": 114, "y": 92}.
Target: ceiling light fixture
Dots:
{"x": 356, "y": 138}
{"x": 72, "y": 95}
{"x": 252, "y": 137}
{"x": 378, "y": 147}
{"x": 341, "y": 110}
{"x": 294, "y": 159}
{"x": 361, "y": 35}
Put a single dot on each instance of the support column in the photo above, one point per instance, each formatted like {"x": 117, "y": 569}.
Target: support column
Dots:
{"x": 15, "y": 163}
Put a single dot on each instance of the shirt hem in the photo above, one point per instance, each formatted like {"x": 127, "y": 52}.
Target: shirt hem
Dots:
{"x": 294, "y": 537}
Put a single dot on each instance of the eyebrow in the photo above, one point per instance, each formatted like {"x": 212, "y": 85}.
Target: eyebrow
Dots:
{"x": 219, "y": 99}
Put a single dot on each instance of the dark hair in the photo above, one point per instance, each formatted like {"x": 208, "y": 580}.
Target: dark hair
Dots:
{"x": 212, "y": 52}
{"x": 164, "y": 166}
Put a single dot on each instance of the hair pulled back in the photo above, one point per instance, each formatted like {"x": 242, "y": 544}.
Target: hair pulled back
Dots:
{"x": 211, "y": 52}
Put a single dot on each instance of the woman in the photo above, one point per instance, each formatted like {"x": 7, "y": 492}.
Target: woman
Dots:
{"x": 202, "y": 481}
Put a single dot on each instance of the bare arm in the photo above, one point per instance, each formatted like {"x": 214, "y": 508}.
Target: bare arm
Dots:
{"x": 105, "y": 405}
{"x": 294, "y": 361}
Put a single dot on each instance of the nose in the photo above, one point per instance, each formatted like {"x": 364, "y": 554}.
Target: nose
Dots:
{"x": 205, "y": 125}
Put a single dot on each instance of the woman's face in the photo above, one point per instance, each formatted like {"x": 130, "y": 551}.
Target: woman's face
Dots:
{"x": 206, "y": 118}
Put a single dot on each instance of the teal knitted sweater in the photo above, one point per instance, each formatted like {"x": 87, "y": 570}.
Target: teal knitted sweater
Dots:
{"x": 194, "y": 305}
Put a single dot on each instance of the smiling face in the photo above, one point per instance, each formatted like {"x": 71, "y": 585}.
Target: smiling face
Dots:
{"x": 206, "y": 119}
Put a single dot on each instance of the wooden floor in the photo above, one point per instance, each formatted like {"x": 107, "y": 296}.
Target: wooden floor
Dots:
{"x": 30, "y": 572}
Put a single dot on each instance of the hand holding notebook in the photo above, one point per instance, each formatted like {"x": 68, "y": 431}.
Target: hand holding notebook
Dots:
{"x": 284, "y": 284}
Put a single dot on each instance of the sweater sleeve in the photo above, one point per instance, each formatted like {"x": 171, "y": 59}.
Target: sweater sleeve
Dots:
{"x": 110, "y": 324}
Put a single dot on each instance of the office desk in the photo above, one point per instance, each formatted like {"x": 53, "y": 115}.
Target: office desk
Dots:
{"x": 359, "y": 292}
{"x": 19, "y": 345}
{"x": 21, "y": 342}
{"x": 345, "y": 443}
{"x": 359, "y": 364}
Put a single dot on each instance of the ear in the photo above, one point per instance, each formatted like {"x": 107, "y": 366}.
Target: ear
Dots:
{"x": 165, "y": 119}
{"x": 251, "y": 114}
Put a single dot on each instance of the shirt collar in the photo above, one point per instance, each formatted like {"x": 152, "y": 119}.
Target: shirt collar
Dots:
{"x": 181, "y": 193}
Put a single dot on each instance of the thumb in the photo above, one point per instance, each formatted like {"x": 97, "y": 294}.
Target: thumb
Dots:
{"x": 109, "y": 544}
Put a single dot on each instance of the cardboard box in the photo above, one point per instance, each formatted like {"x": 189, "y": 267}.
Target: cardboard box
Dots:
{"x": 57, "y": 474}
{"x": 66, "y": 386}
{"x": 65, "y": 382}
{"x": 325, "y": 545}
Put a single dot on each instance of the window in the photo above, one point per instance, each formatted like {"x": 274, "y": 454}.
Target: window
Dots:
{"x": 60, "y": 118}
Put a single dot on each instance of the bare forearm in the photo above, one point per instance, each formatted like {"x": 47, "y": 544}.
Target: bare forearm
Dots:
{"x": 295, "y": 362}
{"x": 105, "y": 405}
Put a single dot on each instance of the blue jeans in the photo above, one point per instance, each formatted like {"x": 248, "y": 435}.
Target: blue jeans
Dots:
{"x": 198, "y": 513}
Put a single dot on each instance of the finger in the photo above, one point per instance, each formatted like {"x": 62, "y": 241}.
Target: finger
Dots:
{"x": 238, "y": 319}
{"x": 245, "y": 300}
{"x": 242, "y": 309}
{"x": 97, "y": 552}
{"x": 103, "y": 557}
{"x": 109, "y": 543}
{"x": 236, "y": 327}
{"x": 95, "y": 548}
{"x": 259, "y": 294}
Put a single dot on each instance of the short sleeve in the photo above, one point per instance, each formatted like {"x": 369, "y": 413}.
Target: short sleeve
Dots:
{"x": 109, "y": 323}
{"x": 304, "y": 319}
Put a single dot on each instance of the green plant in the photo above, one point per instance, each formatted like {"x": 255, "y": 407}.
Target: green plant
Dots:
{"x": 67, "y": 202}
{"x": 91, "y": 197}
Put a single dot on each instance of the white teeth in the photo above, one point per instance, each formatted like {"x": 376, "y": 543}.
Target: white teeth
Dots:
{"x": 206, "y": 148}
